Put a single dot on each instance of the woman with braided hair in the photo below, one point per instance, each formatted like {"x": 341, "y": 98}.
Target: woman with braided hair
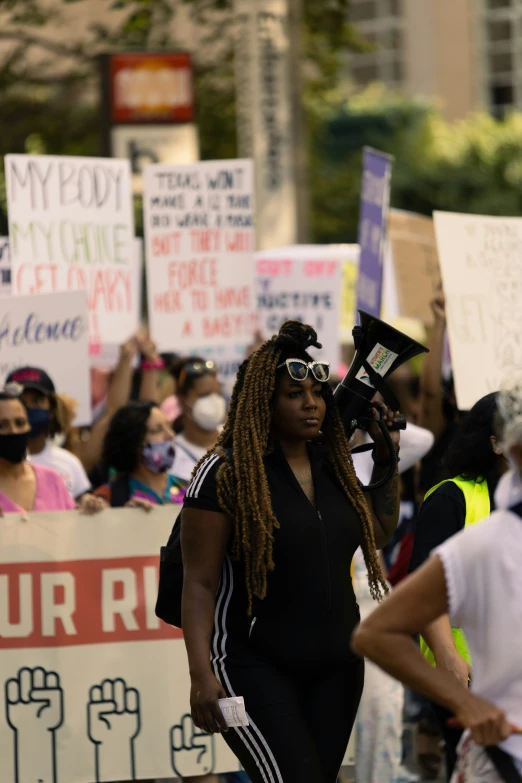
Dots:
{"x": 270, "y": 524}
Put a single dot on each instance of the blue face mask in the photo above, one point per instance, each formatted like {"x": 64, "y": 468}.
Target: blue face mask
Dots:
{"x": 39, "y": 420}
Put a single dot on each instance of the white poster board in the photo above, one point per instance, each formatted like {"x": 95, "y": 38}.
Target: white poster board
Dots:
{"x": 49, "y": 331}
{"x": 97, "y": 686}
{"x": 199, "y": 243}
{"x": 481, "y": 265}
{"x": 5, "y": 267}
{"x": 71, "y": 227}
{"x": 303, "y": 283}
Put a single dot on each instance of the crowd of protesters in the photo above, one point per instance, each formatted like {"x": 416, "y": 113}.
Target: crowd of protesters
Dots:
{"x": 155, "y": 418}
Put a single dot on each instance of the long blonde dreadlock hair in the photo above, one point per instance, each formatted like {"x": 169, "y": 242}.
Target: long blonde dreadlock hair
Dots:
{"x": 242, "y": 484}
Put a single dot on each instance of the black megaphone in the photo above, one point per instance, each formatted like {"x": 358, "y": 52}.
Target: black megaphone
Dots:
{"x": 379, "y": 350}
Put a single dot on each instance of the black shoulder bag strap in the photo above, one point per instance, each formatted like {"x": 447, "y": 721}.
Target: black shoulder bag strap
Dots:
{"x": 504, "y": 764}
{"x": 501, "y": 760}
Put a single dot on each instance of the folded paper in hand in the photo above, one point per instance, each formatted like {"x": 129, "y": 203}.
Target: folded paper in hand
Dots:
{"x": 233, "y": 710}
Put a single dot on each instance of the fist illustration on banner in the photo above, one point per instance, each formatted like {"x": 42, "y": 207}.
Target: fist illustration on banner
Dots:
{"x": 113, "y": 723}
{"x": 193, "y": 751}
{"x": 34, "y": 711}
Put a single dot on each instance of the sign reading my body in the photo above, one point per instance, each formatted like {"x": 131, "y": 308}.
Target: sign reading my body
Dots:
{"x": 58, "y": 188}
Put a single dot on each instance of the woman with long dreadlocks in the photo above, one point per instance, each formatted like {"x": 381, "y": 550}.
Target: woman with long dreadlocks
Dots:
{"x": 270, "y": 524}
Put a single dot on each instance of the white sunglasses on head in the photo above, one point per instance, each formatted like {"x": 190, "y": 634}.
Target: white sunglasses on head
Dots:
{"x": 298, "y": 369}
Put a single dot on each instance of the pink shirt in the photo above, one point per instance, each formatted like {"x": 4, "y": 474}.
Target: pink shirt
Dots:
{"x": 51, "y": 493}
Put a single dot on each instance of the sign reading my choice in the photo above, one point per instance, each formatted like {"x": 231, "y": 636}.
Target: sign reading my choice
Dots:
{"x": 71, "y": 227}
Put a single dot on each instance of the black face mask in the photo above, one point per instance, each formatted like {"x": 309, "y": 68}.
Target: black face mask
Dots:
{"x": 13, "y": 447}
{"x": 39, "y": 420}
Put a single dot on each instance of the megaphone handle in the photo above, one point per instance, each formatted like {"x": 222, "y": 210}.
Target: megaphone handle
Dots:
{"x": 394, "y": 460}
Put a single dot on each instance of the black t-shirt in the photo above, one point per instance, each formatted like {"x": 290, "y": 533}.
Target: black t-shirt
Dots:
{"x": 310, "y": 609}
{"x": 441, "y": 516}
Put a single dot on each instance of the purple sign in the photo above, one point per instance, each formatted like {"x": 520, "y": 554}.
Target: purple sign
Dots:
{"x": 373, "y": 215}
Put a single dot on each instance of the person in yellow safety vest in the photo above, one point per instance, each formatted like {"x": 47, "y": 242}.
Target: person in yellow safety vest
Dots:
{"x": 473, "y": 465}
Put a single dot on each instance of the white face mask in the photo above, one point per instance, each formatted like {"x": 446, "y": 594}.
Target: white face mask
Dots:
{"x": 209, "y": 412}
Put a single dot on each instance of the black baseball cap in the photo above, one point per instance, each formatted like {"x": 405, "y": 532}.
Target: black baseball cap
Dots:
{"x": 32, "y": 378}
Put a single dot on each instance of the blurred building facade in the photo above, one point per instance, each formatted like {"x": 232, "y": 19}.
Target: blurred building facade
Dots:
{"x": 466, "y": 54}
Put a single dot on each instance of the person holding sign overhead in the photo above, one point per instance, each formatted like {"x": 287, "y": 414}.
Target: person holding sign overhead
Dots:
{"x": 269, "y": 527}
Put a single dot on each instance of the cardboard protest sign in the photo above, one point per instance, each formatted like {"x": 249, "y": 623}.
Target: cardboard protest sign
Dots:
{"x": 371, "y": 235}
{"x": 481, "y": 265}
{"x": 199, "y": 228}
{"x": 71, "y": 227}
{"x": 49, "y": 331}
{"x": 303, "y": 283}
{"x": 416, "y": 264}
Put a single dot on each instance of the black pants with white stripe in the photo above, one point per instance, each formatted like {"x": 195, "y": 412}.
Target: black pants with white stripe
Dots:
{"x": 301, "y": 717}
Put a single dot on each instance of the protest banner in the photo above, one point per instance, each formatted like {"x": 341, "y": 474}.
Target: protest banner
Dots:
{"x": 199, "y": 233}
{"x": 71, "y": 227}
{"x": 481, "y": 265}
{"x": 5, "y": 267}
{"x": 303, "y": 283}
{"x": 371, "y": 236}
{"x": 94, "y": 687}
{"x": 49, "y": 331}
{"x": 415, "y": 261}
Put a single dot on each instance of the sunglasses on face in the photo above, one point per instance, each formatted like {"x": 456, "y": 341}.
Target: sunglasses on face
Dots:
{"x": 298, "y": 370}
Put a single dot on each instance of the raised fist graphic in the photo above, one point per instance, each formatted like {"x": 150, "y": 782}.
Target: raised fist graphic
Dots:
{"x": 192, "y": 750}
{"x": 113, "y": 723}
{"x": 34, "y": 711}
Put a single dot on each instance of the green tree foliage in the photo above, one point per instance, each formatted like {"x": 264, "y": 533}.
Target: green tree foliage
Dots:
{"x": 470, "y": 166}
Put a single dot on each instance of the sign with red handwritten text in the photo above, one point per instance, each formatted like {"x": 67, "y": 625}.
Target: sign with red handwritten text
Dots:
{"x": 49, "y": 331}
{"x": 481, "y": 264}
{"x": 199, "y": 240}
{"x": 71, "y": 227}
{"x": 302, "y": 283}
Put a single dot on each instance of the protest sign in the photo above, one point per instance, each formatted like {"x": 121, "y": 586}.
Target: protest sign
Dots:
{"x": 199, "y": 229}
{"x": 481, "y": 265}
{"x": 71, "y": 227}
{"x": 49, "y": 331}
{"x": 107, "y": 354}
{"x": 5, "y": 267}
{"x": 303, "y": 283}
{"x": 94, "y": 686}
{"x": 371, "y": 237}
{"x": 415, "y": 260}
